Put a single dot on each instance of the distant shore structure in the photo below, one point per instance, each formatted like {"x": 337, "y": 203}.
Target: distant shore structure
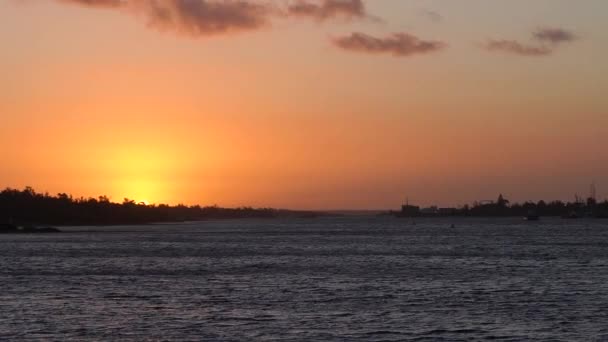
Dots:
{"x": 502, "y": 207}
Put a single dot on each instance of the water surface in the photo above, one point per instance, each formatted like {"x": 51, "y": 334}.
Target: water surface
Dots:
{"x": 326, "y": 279}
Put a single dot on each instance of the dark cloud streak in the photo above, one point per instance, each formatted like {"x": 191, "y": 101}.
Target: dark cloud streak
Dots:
{"x": 554, "y": 35}
{"x": 203, "y": 18}
{"x": 96, "y": 3}
{"x": 517, "y": 48}
{"x": 547, "y": 39}
{"x": 194, "y": 18}
{"x": 328, "y": 9}
{"x": 397, "y": 44}
{"x": 198, "y": 18}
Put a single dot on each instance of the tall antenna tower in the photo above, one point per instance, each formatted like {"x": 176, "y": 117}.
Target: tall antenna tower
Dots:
{"x": 592, "y": 191}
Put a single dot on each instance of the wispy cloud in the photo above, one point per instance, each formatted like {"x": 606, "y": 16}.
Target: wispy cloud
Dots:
{"x": 203, "y": 18}
{"x": 547, "y": 41}
{"x": 554, "y": 35}
{"x": 328, "y": 9}
{"x": 197, "y": 18}
{"x": 96, "y": 3}
{"x": 515, "y": 47}
{"x": 396, "y": 44}
{"x": 194, "y": 18}
{"x": 431, "y": 15}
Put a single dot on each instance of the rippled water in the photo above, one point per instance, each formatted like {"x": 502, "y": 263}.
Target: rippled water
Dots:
{"x": 345, "y": 279}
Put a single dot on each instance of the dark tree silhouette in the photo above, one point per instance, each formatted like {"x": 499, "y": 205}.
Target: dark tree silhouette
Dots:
{"x": 29, "y": 207}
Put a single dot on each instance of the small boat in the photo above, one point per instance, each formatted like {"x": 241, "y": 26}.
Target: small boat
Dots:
{"x": 532, "y": 216}
{"x": 572, "y": 215}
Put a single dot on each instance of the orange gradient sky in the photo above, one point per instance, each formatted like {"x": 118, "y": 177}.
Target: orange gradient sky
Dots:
{"x": 477, "y": 97}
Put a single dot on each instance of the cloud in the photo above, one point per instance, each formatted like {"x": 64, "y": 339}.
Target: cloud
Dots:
{"x": 203, "y": 18}
{"x": 96, "y": 3}
{"x": 547, "y": 40}
{"x": 397, "y": 44}
{"x": 193, "y": 18}
{"x": 328, "y": 9}
{"x": 431, "y": 15}
{"x": 554, "y": 35}
{"x": 198, "y": 18}
{"x": 517, "y": 48}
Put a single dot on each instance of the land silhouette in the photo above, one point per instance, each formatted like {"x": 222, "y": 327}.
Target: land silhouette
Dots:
{"x": 27, "y": 208}
{"x": 29, "y": 211}
{"x": 502, "y": 207}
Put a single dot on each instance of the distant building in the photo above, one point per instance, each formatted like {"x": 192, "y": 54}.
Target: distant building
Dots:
{"x": 430, "y": 211}
{"x": 436, "y": 211}
{"x": 409, "y": 210}
{"x": 447, "y": 211}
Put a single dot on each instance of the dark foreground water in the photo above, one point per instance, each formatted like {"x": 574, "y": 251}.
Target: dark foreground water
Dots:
{"x": 346, "y": 279}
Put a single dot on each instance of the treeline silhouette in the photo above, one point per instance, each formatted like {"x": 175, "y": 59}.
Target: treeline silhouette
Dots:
{"x": 28, "y": 206}
{"x": 503, "y": 208}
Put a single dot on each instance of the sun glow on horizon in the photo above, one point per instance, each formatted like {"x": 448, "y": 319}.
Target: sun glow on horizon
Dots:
{"x": 142, "y": 172}
{"x": 283, "y": 117}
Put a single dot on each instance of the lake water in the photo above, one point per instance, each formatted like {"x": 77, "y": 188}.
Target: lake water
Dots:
{"x": 326, "y": 279}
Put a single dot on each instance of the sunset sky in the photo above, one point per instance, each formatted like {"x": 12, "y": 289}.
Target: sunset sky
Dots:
{"x": 329, "y": 104}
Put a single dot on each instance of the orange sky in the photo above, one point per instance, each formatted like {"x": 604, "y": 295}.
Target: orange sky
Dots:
{"x": 354, "y": 107}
